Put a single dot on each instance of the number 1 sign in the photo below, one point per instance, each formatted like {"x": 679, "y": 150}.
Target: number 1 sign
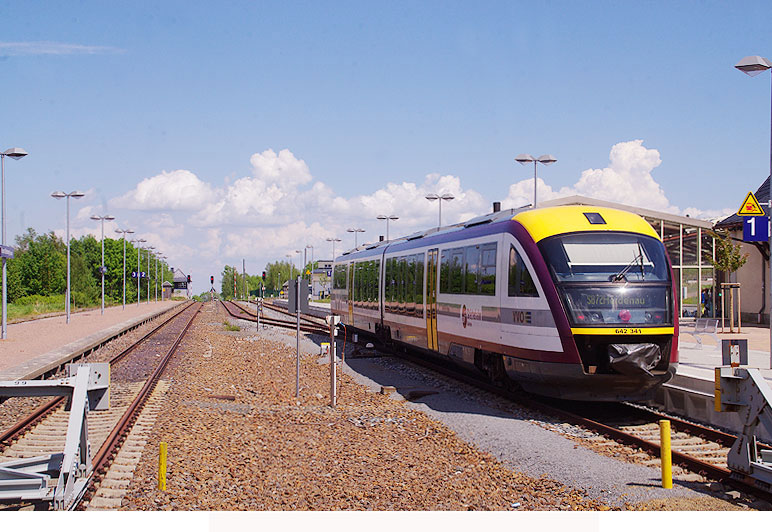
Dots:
{"x": 755, "y": 229}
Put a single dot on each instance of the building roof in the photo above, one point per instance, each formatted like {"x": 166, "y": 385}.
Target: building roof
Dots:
{"x": 762, "y": 195}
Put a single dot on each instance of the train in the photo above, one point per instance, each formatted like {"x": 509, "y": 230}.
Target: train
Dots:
{"x": 572, "y": 302}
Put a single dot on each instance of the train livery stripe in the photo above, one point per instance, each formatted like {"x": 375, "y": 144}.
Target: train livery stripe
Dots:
{"x": 543, "y": 223}
{"x": 623, "y": 330}
{"x": 504, "y": 315}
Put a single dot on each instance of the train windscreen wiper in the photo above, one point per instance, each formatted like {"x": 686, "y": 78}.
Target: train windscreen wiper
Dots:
{"x": 621, "y": 275}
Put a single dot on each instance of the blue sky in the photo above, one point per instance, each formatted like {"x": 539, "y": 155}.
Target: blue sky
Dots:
{"x": 230, "y": 130}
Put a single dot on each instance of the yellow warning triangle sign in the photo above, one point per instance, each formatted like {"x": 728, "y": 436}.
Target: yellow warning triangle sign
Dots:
{"x": 750, "y": 206}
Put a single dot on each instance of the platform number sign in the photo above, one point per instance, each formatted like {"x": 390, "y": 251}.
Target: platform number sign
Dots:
{"x": 755, "y": 229}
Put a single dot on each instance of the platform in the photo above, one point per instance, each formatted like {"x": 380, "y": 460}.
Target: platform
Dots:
{"x": 39, "y": 347}
{"x": 690, "y": 392}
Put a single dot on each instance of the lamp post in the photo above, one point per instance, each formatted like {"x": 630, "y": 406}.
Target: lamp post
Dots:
{"x": 149, "y": 252}
{"x": 524, "y": 159}
{"x": 161, "y": 257}
{"x": 102, "y": 269}
{"x": 445, "y": 197}
{"x": 387, "y": 218}
{"x": 355, "y": 230}
{"x": 333, "y": 240}
{"x": 753, "y": 65}
{"x": 139, "y": 273}
{"x": 59, "y": 195}
{"x": 13, "y": 153}
{"x": 124, "y": 232}
{"x": 312, "y": 254}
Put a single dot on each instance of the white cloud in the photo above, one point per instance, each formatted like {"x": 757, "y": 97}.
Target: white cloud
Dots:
{"x": 284, "y": 169}
{"x": 177, "y": 190}
{"x": 52, "y": 48}
{"x": 627, "y": 180}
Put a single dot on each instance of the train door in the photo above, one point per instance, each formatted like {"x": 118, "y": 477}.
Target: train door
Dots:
{"x": 431, "y": 299}
{"x": 351, "y": 293}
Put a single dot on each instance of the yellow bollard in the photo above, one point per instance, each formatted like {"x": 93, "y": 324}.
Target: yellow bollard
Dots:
{"x": 665, "y": 455}
{"x": 162, "y": 467}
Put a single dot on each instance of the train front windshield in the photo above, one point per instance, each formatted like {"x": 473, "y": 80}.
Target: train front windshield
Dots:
{"x": 609, "y": 278}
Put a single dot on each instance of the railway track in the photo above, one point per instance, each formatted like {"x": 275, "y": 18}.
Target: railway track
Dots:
{"x": 135, "y": 376}
{"x": 309, "y": 325}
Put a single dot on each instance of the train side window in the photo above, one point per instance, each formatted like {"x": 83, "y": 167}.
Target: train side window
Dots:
{"x": 388, "y": 284}
{"x": 419, "y": 282}
{"x": 410, "y": 284}
{"x": 356, "y": 292}
{"x": 375, "y": 284}
{"x": 445, "y": 272}
{"x": 456, "y": 276}
{"x": 520, "y": 279}
{"x": 339, "y": 279}
{"x": 471, "y": 269}
{"x": 488, "y": 269}
{"x": 366, "y": 283}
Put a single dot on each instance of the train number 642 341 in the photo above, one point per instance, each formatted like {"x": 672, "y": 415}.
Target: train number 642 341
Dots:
{"x": 628, "y": 331}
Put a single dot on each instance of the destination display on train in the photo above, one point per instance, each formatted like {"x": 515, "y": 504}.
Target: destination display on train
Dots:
{"x": 644, "y": 305}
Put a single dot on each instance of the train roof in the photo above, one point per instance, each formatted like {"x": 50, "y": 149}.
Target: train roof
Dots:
{"x": 551, "y": 221}
{"x": 540, "y": 224}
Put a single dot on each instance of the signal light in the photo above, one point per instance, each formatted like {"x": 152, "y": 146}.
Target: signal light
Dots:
{"x": 263, "y": 276}
{"x": 211, "y": 279}
{"x": 188, "y": 278}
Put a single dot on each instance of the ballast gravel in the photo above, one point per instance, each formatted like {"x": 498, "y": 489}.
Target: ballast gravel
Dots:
{"x": 238, "y": 439}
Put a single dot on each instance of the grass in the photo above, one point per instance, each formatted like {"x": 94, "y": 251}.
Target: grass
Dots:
{"x": 229, "y": 327}
{"x": 28, "y": 306}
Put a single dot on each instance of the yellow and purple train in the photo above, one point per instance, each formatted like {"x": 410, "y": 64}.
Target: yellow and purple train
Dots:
{"x": 573, "y": 302}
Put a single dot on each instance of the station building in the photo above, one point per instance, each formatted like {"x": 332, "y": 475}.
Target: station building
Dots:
{"x": 321, "y": 279}
{"x": 166, "y": 290}
{"x": 181, "y": 286}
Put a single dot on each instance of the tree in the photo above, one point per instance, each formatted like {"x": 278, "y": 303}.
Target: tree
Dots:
{"x": 226, "y": 286}
{"x": 276, "y": 274}
{"x": 729, "y": 257}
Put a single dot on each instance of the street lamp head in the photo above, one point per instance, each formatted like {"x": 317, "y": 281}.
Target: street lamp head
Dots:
{"x": 58, "y": 194}
{"x": 355, "y": 230}
{"x": 108, "y": 217}
{"x": 753, "y": 65}
{"x": 76, "y": 194}
{"x": 447, "y": 197}
{"x": 15, "y": 153}
{"x": 430, "y": 197}
{"x": 524, "y": 158}
{"x": 546, "y": 159}
{"x": 95, "y": 217}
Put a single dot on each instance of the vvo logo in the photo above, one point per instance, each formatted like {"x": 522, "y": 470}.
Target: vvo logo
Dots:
{"x": 521, "y": 317}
